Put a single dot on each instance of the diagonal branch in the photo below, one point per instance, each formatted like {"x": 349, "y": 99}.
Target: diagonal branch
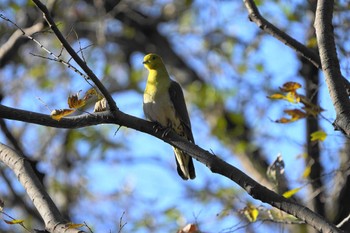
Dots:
{"x": 302, "y": 50}
{"x": 54, "y": 222}
{"x": 47, "y": 16}
{"x": 330, "y": 64}
{"x": 214, "y": 163}
{"x": 255, "y": 16}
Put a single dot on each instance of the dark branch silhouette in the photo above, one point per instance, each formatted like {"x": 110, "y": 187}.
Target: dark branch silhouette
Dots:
{"x": 54, "y": 222}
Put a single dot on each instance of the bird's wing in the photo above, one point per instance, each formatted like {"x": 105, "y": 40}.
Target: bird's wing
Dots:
{"x": 177, "y": 97}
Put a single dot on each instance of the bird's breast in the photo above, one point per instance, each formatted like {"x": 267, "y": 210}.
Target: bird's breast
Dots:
{"x": 158, "y": 107}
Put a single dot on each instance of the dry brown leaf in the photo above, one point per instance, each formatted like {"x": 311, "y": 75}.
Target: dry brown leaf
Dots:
{"x": 57, "y": 114}
{"x": 290, "y": 87}
{"x": 75, "y": 102}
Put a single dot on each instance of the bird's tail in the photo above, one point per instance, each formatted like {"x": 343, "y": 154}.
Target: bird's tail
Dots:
{"x": 184, "y": 163}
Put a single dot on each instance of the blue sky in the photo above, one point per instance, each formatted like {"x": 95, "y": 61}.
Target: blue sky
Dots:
{"x": 145, "y": 179}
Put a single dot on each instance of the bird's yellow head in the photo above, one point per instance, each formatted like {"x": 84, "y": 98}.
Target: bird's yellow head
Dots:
{"x": 152, "y": 61}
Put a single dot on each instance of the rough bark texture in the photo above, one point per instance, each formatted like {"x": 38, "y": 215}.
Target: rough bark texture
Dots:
{"x": 330, "y": 64}
{"x": 48, "y": 211}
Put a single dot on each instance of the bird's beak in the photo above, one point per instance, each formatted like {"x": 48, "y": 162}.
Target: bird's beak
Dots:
{"x": 144, "y": 62}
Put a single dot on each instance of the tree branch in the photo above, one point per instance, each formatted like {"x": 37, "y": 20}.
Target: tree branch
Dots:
{"x": 330, "y": 64}
{"x": 53, "y": 220}
{"x": 255, "y": 16}
{"x": 214, "y": 163}
{"x": 302, "y": 50}
{"x": 45, "y": 120}
{"x": 47, "y": 16}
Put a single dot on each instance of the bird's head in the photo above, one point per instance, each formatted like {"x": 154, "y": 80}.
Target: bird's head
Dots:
{"x": 152, "y": 61}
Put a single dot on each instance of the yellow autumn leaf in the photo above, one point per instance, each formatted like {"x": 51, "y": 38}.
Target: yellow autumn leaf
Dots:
{"x": 318, "y": 136}
{"x": 14, "y": 221}
{"x": 57, "y": 114}
{"x": 290, "y": 87}
{"x": 251, "y": 212}
{"x": 307, "y": 171}
{"x": 291, "y": 97}
{"x": 290, "y": 193}
{"x": 75, "y": 102}
{"x": 312, "y": 42}
{"x": 276, "y": 96}
{"x": 74, "y": 225}
{"x": 295, "y": 114}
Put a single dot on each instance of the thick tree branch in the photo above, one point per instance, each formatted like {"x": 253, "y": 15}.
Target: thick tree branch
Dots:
{"x": 53, "y": 220}
{"x": 311, "y": 76}
{"x": 214, "y": 163}
{"x": 330, "y": 64}
{"x": 16, "y": 198}
{"x": 45, "y": 120}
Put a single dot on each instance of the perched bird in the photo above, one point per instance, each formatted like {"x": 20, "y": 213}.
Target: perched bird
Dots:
{"x": 164, "y": 103}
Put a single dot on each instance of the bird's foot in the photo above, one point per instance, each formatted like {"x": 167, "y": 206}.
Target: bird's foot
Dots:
{"x": 158, "y": 127}
{"x": 166, "y": 131}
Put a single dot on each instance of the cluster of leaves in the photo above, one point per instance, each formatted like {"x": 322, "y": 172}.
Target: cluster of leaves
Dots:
{"x": 75, "y": 103}
{"x": 290, "y": 94}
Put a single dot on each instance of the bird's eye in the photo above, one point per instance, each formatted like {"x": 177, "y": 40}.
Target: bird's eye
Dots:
{"x": 153, "y": 58}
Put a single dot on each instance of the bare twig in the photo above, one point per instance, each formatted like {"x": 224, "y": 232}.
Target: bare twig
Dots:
{"x": 12, "y": 218}
{"x": 121, "y": 223}
{"x": 23, "y": 32}
{"x": 47, "y": 16}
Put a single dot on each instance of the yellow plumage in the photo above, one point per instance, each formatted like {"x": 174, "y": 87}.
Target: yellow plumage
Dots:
{"x": 163, "y": 102}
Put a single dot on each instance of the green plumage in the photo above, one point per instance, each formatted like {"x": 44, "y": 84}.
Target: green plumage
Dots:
{"x": 164, "y": 103}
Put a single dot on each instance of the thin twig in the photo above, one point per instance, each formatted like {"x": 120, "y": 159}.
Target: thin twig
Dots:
{"x": 47, "y": 16}
{"x": 121, "y": 224}
{"x": 255, "y": 16}
{"x": 56, "y": 58}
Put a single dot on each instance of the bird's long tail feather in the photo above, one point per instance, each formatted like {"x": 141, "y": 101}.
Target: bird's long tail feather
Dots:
{"x": 184, "y": 163}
